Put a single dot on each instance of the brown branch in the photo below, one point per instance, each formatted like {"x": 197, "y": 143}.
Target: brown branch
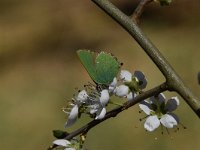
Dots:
{"x": 139, "y": 10}
{"x": 113, "y": 113}
{"x": 174, "y": 82}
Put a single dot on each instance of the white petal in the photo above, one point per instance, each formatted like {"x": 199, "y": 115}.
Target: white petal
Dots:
{"x": 62, "y": 142}
{"x": 101, "y": 115}
{"x": 72, "y": 116}
{"x": 145, "y": 108}
{"x": 126, "y": 76}
{"x": 172, "y": 104}
{"x": 69, "y": 149}
{"x": 82, "y": 96}
{"x": 151, "y": 123}
{"x": 104, "y": 97}
{"x": 121, "y": 90}
{"x": 114, "y": 82}
{"x": 131, "y": 96}
{"x": 175, "y": 117}
{"x": 168, "y": 121}
{"x": 148, "y": 104}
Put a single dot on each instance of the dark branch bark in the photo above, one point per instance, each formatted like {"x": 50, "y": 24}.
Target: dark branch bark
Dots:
{"x": 173, "y": 81}
{"x": 139, "y": 10}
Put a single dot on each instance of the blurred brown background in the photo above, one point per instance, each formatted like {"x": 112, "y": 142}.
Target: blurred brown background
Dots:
{"x": 39, "y": 69}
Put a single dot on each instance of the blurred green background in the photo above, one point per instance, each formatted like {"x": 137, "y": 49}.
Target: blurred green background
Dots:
{"x": 39, "y": 69}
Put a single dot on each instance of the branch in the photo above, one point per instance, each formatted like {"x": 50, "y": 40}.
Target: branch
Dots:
{"x": 173, "y": 81}
{"x": 139, "y": 10}
{"x": 113, "y": 113}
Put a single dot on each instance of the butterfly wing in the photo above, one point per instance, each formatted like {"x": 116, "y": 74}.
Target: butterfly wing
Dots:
{"x": 107, "y": 67}
{"x": 88, "y": 61}
{"x": 101, "y": 68}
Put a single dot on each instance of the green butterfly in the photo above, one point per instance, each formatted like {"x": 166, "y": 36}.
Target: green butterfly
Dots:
{"x": 101, "y": 67}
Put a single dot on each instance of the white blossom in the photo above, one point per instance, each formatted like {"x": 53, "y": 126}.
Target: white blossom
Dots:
{"x": 160, "y": 112}
{"x": 130, "y": 79}
{"x": 81, "y": 98}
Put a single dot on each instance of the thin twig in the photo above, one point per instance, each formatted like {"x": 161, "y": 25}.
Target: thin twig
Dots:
{"x": 173, "y": 81}
{"x": 139, "y": 10}
{"x": 113, "y": 113}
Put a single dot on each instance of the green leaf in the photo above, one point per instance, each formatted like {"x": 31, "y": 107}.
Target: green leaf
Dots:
{"x": 59, "y": 134}
{"x": 102, "y": 67}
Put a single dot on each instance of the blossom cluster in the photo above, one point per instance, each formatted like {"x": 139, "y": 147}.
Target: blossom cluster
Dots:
{"x": 94, "y": 99}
